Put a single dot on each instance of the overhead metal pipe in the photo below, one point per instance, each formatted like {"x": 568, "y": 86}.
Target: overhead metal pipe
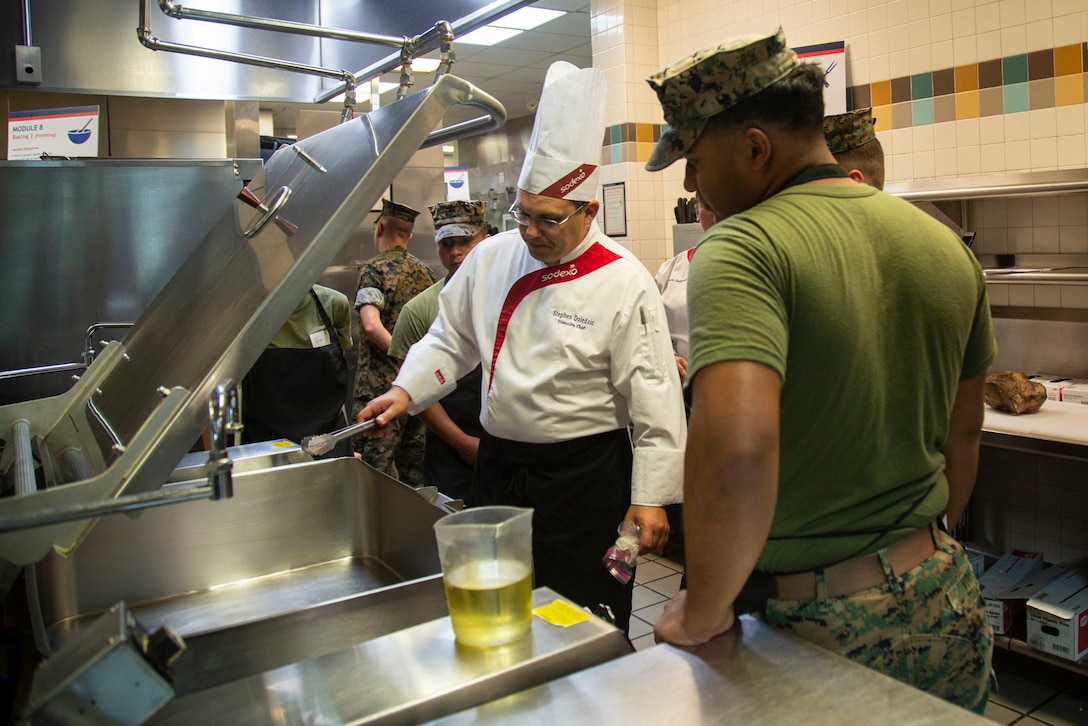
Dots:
{"x": 283, "y": 26}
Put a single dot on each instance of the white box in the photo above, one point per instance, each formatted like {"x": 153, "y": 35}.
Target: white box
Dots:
{"x": 1001, "y": 587}
{"x": 1058, "y": 612}
{"x": 1053, "y": 384}
{"x": 1075, "y": 391}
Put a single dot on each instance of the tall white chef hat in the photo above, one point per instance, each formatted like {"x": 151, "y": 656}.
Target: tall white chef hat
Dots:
{"x": 565, "y": 149}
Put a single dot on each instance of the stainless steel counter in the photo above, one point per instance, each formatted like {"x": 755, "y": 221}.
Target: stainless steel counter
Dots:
{"x": 408, "y": 676}
{"x": 751, "y": 675}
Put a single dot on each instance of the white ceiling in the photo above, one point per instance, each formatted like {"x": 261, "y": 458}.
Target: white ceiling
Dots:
{"x": 512, "y": 71}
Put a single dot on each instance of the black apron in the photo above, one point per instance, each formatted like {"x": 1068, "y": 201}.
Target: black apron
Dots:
{"x": 291, "y": 393}
{"x": 443, "y": 467}
{"x": 580, "y": 491}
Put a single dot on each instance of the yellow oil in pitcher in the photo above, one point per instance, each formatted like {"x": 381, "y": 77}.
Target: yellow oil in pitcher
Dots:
{"x": 490, "y": 602}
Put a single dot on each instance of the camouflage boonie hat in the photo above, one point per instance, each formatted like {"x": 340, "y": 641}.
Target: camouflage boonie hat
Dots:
{"x": 463, "y": 218}
{"x": 695, "y": 88}
{"x": 400, "y": 211}
{"x": 845, "y": 131}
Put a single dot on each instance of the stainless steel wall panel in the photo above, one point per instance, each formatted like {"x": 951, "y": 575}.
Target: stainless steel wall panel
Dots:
{"x": 85, "y": 242}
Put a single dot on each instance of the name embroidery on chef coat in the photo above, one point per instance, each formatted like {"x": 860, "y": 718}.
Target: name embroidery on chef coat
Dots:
{"x": 589, "y": 261}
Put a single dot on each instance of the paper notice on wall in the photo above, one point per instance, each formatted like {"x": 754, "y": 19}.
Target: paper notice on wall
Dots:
{"x": 832, "y": 58}
{"x": 64, "y": 132}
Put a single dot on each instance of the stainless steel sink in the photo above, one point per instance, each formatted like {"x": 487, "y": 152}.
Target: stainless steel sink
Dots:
{"x": 305, "y": 559}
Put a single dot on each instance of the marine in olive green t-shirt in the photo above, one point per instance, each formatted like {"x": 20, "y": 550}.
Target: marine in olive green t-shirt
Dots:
{"x": 872, "y": 314}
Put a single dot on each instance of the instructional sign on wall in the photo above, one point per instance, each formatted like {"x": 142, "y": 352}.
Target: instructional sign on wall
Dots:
{"x": 65, "y": 132}
{"x": 832, "y": 58}
{"x": 456, "y": 183}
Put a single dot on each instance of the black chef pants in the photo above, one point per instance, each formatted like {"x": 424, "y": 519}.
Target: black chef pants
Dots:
{"x": 580, "y": 491}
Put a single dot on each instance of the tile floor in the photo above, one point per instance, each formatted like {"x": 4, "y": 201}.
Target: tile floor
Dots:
{"x": 1030, "y": 692}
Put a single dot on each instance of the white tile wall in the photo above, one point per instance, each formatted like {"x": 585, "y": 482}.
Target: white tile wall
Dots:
{"x": 885, "y": 39}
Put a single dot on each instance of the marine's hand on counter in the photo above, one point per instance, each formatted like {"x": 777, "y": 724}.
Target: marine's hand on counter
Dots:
{"x": 678, "y": 625}
{"x": 653, "y": 524}
{"x": 385, "y": 408}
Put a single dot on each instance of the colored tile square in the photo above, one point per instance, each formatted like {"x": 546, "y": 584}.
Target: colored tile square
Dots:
{"x": 1068, "y": 90}
{"x": 1015, "y": 98}
{"x": 901, "y": 89}
{"x": 921, "y": 112}
{"x": 882, "y": 118}
{"x": 643, "y": 149}
{"x": 1014, "y": 69}
{"x": 615, "y": 153}
{"x": 944, "y": 82}
{"x": 1067, "y": 60}
{"x": 1041, "y": 64}
{"x": 966, "y": 77}
{"x": 1041, "y": 93}
{"x": 901, "y": 118}
{"x": 967, "y": 105}
{"x": 862, "y": 96}
{"x": 881, "y": 93}
{"x": 658, "y": 130}
{"x": 629, "y": 131}
{"x": 921, "y": 85}
{"x": 944, "y": 109}
{"x": 989, "y": 74}
{"x": 615, "y": 135}
{"x": 991, "y": 102}
{"x": 644, "y": 133}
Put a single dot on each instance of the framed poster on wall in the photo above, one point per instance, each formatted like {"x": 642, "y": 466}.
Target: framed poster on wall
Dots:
{"x": 614, "y": 209}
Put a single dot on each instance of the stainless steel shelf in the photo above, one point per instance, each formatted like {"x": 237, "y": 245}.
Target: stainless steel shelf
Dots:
{"x": 1003, "y": 186}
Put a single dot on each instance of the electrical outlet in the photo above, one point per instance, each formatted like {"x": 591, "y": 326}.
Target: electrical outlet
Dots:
{"x": 28, "y": 64}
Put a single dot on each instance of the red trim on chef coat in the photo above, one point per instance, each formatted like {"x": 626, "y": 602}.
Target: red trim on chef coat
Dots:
{"x": 589, "y": 261}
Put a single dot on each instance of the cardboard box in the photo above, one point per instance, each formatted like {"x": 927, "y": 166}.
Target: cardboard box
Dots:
{"x": 1001, "y": 588}
{"x": 978, "y": 562}
{"x": 1058, "y": 613}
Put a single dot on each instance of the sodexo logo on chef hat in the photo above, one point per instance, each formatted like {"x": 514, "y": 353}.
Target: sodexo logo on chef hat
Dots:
{"x": 564, "y": 153}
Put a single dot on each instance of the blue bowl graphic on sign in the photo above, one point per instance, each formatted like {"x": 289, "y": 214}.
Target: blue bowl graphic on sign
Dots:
{"x": 457, "y": 183}
{"x": 78, "y": 136}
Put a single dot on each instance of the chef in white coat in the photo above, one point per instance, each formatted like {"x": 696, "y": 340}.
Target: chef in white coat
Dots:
{"x": 583, "y": 410}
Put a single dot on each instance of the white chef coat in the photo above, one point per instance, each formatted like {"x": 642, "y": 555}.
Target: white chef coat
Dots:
{"x": 672, "y": 281}
{"x": 586, "y": 353}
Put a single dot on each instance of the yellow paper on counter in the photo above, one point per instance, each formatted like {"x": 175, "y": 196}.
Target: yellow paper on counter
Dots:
{"x": 561, "y": 613}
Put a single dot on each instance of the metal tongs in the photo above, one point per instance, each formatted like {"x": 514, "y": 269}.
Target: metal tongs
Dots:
{"x": 323, "y": 443}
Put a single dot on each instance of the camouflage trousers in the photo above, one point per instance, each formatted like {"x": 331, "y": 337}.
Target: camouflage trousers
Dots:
{"x": 399, "y": 453}
{"x": 926, "y": 627}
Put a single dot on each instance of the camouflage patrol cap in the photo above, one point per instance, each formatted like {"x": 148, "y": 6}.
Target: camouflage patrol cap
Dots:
{"x": 400, "y": 211}
{"x": 845, "y": 131}
{"x": 693, "y": 89}
{"x": 462, "y": 218}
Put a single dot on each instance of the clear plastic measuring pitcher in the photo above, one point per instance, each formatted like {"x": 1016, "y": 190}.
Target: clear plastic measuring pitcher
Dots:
{"x": 487, "y": 566}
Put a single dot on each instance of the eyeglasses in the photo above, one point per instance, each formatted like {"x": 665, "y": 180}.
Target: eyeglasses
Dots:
{"x": 525, "y": 220}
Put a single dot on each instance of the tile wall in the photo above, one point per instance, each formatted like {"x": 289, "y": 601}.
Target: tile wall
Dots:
{"x": 1031, "y": 501}
{"x": 898, "y": 51}
{"x": 1043, "y": 225}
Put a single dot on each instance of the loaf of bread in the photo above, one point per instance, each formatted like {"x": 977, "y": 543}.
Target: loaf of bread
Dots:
{"x": 1014, "y": 393}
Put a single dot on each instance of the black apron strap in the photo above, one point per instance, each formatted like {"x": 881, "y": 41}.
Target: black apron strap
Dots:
{"x": 292, "y": 393}
{"x": 580, "y": 491}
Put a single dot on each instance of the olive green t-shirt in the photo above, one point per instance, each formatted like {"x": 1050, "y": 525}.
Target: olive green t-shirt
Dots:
{"x": 305, "y": 322}
{"x": 872, "y": 312}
